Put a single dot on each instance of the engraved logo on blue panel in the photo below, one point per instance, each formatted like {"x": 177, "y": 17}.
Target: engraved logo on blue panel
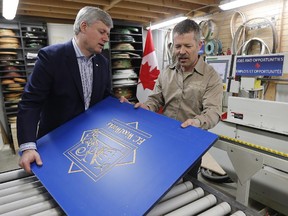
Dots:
{"x": 99, "y": 150}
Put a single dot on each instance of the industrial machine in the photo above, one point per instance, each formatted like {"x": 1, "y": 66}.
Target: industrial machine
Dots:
{"x": 254, "y": 151}
{"x": 253, "y": 144}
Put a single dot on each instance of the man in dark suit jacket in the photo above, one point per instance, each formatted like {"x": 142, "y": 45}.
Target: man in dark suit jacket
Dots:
{"x": 67, "y": 79}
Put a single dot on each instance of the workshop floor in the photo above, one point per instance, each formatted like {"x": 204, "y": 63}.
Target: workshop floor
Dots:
{"x": 8, "y": 160}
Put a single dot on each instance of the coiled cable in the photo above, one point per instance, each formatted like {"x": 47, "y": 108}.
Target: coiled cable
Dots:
{"x": 209, "y": 29}
{"x": 243, "y": 27}
{"x": 242, "y": 34}
{"x": 248, "y": 44}
{"x": 213, "y": 47}
{"x": 233, "y": 23}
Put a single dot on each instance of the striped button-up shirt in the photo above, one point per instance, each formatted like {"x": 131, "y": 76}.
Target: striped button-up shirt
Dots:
{"x": 86, "y": 73}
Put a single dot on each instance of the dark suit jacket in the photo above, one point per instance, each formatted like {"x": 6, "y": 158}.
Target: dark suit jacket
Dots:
{"x": 54, "y": 93}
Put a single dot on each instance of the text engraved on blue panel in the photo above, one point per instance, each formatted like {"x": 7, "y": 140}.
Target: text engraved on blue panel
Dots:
{"x": 101, "y": 149}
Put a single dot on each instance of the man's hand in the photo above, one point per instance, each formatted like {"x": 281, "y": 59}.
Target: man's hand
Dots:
{"x": 28, "y": 157}
{"x": 191, "y": 122}
{"x": 137, "y": 105}
{"x": 124, "y": 100}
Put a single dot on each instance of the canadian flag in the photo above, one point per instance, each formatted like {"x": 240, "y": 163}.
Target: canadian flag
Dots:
{"x": 149, "y": 70}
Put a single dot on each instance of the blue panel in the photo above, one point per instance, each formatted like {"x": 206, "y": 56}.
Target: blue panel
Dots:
{"x": 117, "y": 160}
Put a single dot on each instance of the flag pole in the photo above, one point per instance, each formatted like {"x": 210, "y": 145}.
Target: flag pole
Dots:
{"x": 149, "y": 70}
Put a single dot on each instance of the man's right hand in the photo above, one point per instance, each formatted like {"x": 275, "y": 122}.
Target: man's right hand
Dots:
{"x": 28, "y": 157}
{"x": 137, "y": 105}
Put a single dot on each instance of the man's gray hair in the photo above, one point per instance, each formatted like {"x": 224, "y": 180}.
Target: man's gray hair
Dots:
{"x": 91, "y": 15}
{"x": 187, "y": 26}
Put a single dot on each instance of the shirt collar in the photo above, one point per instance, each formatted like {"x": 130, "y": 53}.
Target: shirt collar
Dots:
{"x": 198, "y": 67}
{"x": 77, "y": 49}
{"x": 79, "y": 54}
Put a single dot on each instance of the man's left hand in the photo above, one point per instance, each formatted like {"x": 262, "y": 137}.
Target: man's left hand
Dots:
{"x": 191, "y": 122}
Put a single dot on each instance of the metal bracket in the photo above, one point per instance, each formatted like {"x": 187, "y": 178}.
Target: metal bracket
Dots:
{"x": 246, "y": 163}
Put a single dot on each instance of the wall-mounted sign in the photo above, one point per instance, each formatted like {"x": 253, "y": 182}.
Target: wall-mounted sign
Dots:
{"x": 264, "y": 65}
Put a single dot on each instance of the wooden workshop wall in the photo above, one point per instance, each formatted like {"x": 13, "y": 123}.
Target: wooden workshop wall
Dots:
{"x": 274, "y": 10}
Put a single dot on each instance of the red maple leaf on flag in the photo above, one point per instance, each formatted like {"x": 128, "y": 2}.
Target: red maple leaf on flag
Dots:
{"x": 147, "y": 77}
